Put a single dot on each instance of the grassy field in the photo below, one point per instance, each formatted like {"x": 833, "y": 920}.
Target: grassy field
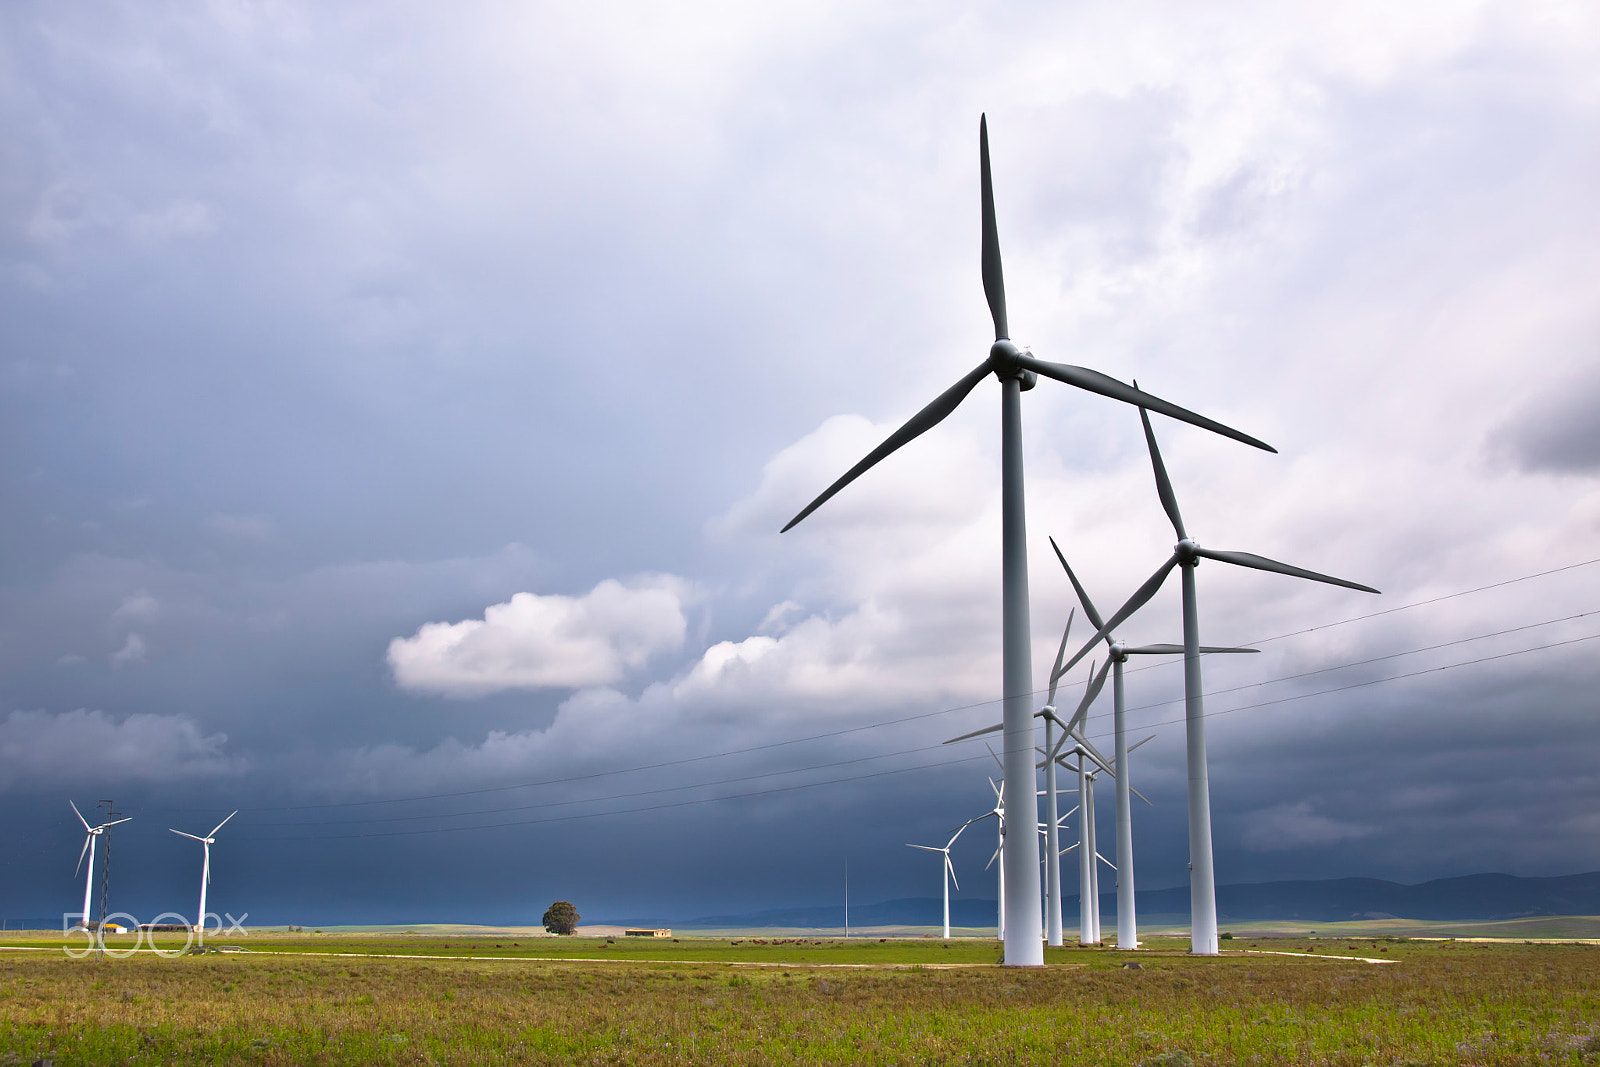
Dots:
{"x": 349, "y": 999}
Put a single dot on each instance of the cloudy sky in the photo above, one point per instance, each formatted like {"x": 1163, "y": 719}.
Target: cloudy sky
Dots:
{"x": 400, "y": 404}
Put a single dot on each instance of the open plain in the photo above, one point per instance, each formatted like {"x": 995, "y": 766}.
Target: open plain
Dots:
{"x": 465, "y": 999}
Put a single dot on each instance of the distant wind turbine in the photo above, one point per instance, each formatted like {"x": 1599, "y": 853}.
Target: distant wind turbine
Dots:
{"x": 949, "y": 869}
{"x": 93, "y": 833}
{"x": 1118, "y": 653}
{"x": 1187, "y": 555}
{"x": 1017, "y": 371}
{"x": 998, "y": 814}
{"x": 1052, "y": 820}
{"x": 205, "y": 871}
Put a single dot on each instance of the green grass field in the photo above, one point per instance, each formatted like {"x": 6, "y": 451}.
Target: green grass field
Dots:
{"x": 349, "y": 999}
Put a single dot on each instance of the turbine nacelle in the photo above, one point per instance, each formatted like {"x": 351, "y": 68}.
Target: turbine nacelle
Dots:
{"x": 1005, "y": 358}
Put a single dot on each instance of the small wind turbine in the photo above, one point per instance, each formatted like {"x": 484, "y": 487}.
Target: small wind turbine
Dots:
{"x": 1017, "y": 371}
{"x": 949, "y": 872}
{"x": 1118, "y": 653}
{"x": 1088, "y": 873}
{"x": 205, "y": 871}
{"x": 998, "y": 813}
{"x": 1186, "y": 555}
{"x": 1052, "y": 822}
{"x": 93, "y": 832}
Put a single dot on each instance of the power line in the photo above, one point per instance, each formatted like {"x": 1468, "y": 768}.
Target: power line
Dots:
{"x": 626, "y": 811}
{"x": 1374, "y": 659}
{"x": 880, "y": 774}
{"x": 920, "y": 715}
{"x": 1376, "y": 681}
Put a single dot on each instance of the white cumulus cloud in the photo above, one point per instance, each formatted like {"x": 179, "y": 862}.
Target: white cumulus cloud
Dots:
{"x": 536, "y": 641}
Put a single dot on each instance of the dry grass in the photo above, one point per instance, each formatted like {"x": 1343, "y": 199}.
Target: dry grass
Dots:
{"x": 1478, "y": 1004}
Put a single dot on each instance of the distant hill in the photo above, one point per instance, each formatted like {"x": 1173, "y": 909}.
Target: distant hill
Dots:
{"x": 1473, "y": 897}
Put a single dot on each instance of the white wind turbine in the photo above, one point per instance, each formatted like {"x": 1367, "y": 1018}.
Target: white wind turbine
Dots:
{"x": 949, "y": 872}
{"x": 1186, "y": 556}
{"x": 1052, "y": 821}
{"x": 93, "y": 833}
{"x": 1118, "y": 653}
{"x": 1088, "y": 873}
{"x": 1017, "y": 371}
{"x": 205, "y": 871}
{"x": 998, "y": 813}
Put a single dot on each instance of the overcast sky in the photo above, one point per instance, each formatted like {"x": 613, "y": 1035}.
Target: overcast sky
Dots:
{"x": 400, "y": 404}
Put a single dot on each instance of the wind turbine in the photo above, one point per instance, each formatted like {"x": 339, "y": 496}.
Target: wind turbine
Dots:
{"x": 1118, "y": 653}
{"x": 205, "y": 870}
{"x": 1017, "y": 371}
{"x": 1088, "y": 873}
{"x": 998, "y": 813}
{"x": 949, "y": 872}
{"x": 1187, "y": 555}
{"x": 1052, "y": 821}
{"x": 93, "y": 833}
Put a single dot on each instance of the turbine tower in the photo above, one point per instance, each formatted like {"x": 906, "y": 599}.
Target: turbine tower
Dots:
{"x": 1127, "y": 917}
{"x": 949, "y": 872}
{"x": 1017, "y": 371}
{"x": 205, "y": 871}
{"x": 92, "y": 832}
{"x": 1187, "y": 555}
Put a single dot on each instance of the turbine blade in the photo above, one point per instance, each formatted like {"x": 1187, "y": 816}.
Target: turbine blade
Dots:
{"x": 1077, "y": 586}
{"x": 1105, "y": 861}
{"x": 1105, "y": 385}
{"x": 1140, "y": 795}
{"x": 1139, "y": 599}
{"x": 87, "y": 841}
{"x": 1069, "y": 848}
{"x": 79, "y": 814}
{"x": 116, "y": 822}
{"x": 998, "y": 760}
{"x": 994, "y": 281}
{"x": 916, "y": 426}
{"x": 1136, "y": 744}
{"x": 220, "y": 825}
{"x": 992, "y": 858}
{"x": 950, "y": 843}
{"x": 951, "y": 867}
{"x": 1097, "y": 683}
{"x": 926, "y": 848}
{"x": 1169, "y": 502}
{"x": 191, "y": 837}
{"x": 1262, "y": 563}
{"x": 977, "y": 733}
{"x": 1061, "y": 652}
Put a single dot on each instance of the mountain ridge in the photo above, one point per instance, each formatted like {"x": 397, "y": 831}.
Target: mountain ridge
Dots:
{"x": 1472, "y": 897}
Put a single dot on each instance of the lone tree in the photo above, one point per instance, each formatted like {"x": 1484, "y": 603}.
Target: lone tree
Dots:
{"x": 561, "y": 918}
